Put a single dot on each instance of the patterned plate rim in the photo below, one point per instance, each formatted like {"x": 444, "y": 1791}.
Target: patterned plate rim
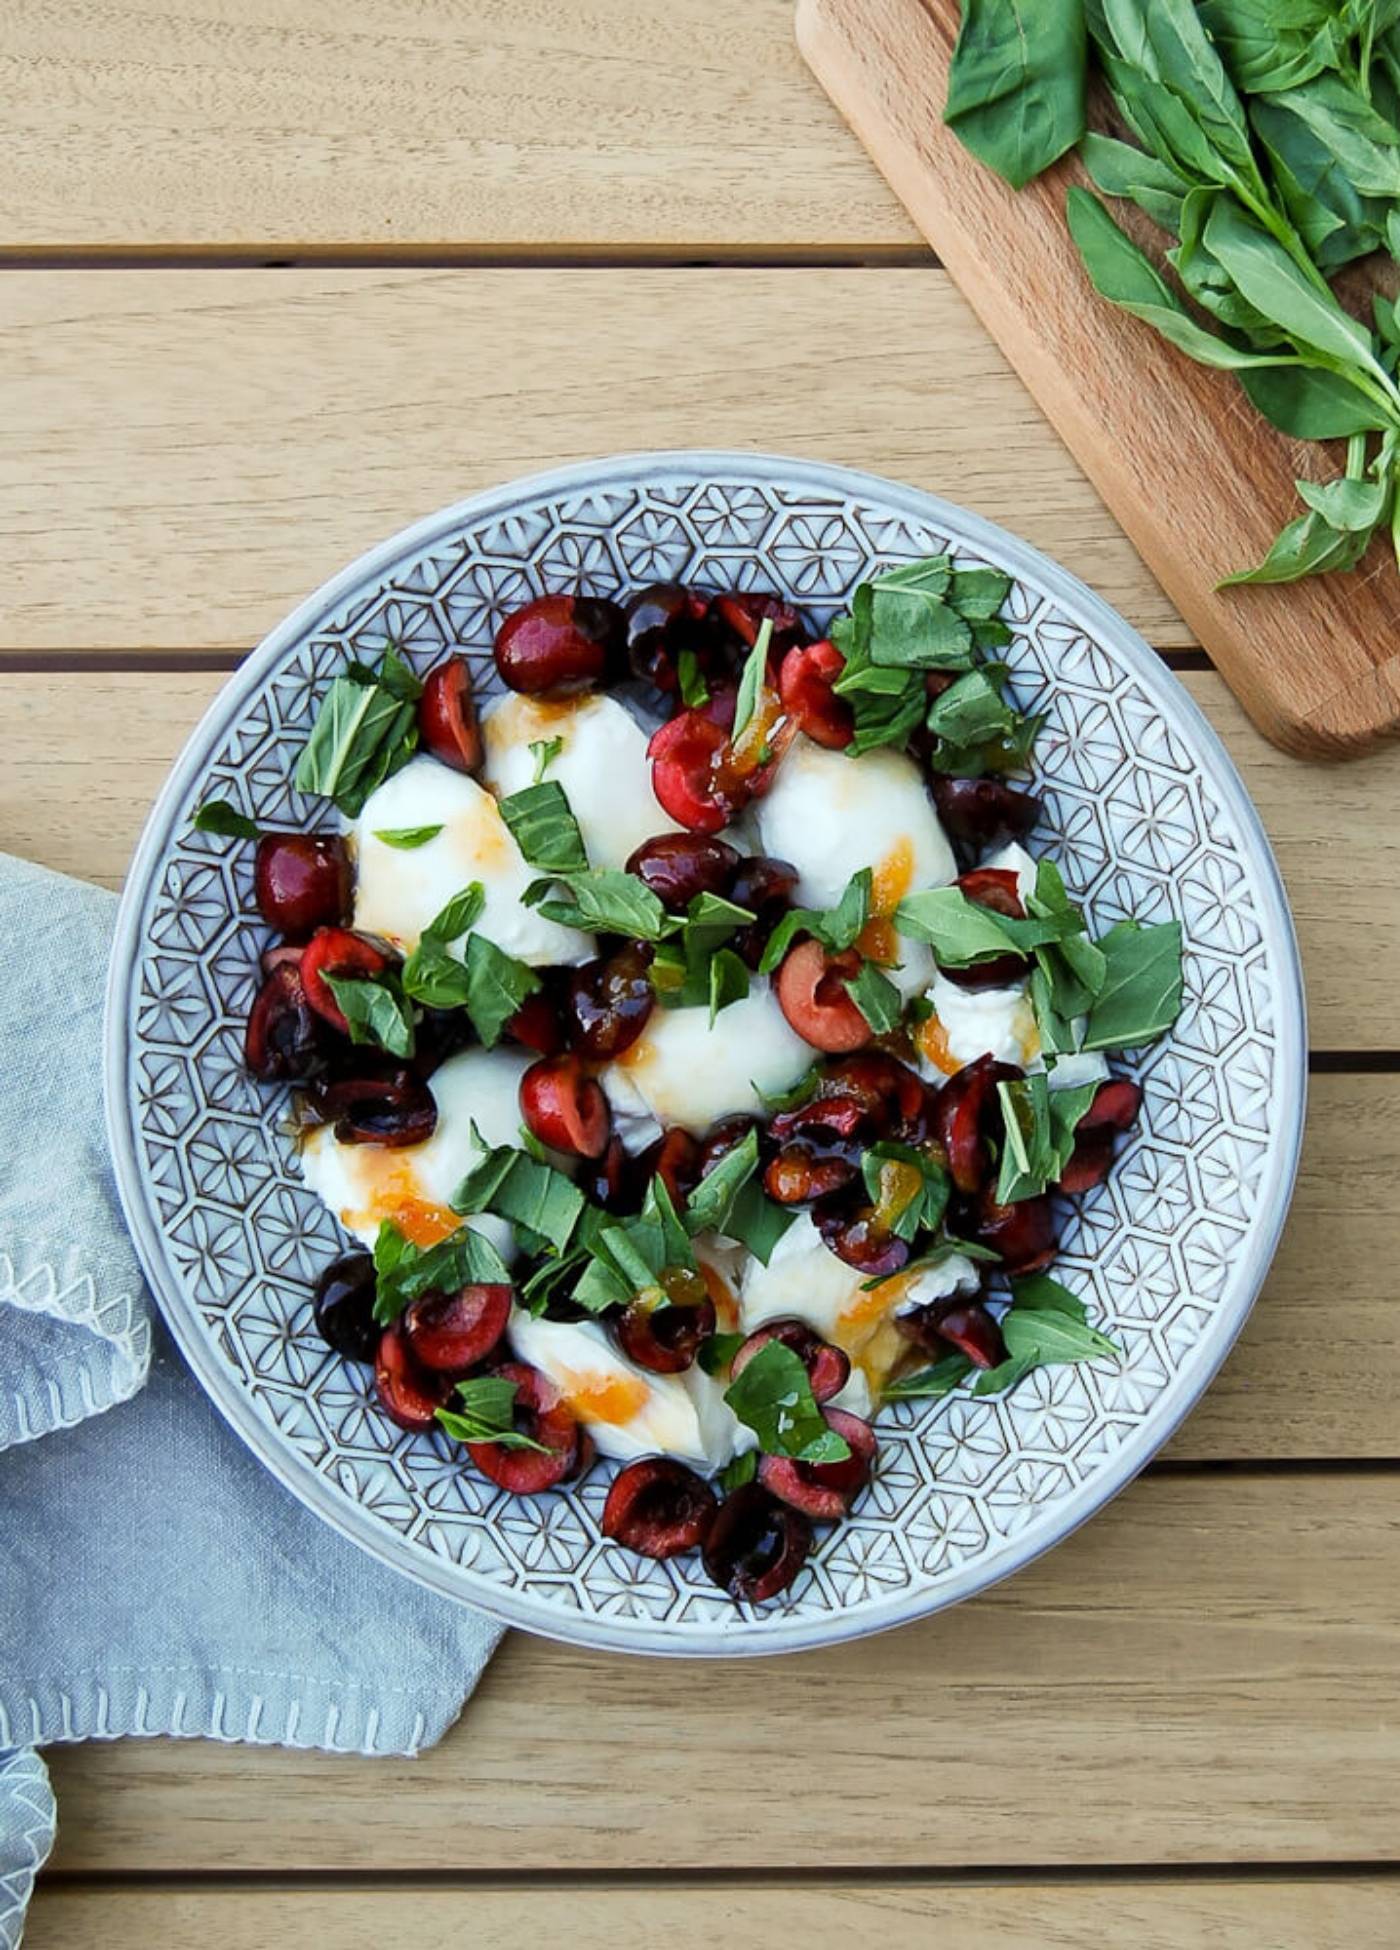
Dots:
{"x": 1101, "y": 624}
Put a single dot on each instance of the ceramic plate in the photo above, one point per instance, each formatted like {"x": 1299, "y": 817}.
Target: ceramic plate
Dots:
{"x": 1146, "y": 816}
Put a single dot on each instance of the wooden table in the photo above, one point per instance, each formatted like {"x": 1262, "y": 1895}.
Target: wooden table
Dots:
{"x": 285, "y": 274}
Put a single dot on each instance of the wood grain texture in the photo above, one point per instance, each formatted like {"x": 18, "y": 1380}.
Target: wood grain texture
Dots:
{"x": 291, "y": 126}
{"x": 1198, "y": 479}
{"x": 86, "y": 753}
{"x": 1209, "y": 1671}
{"x": 1345, "y": 1913}
{"x": 189, "y": 454}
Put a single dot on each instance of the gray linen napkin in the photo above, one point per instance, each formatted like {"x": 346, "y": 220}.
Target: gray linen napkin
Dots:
{"x": 153, "y": 1577}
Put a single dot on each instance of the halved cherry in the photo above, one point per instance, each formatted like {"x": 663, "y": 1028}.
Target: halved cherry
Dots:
{"x": 956, "y": 1322}
{"x": 558, "y": 644}
{"x": 1023, "y": 1233}
{"x": 447, "y": 715}
{"x": 451, "y": 1332}
{"x": 666, "y": 1340}
{"x": 301, "y": 882}
{"x": 336, "y": 951}
{"x": 675, "y": 1159}
{"x": 997, "y": 888}
{"x": 803, "y": 1171}
{"x": 409, "y": 1394}
{"x": 962, "y": 1111}
{"x": 343, "y": 1304}
{"x": 985, "y": 811}
{"x": 281, "y": 954}
{"x": 658, "y": 1508}
{"x": 659, "y": 622}
{"x": 828, "y": 1368}
{"x": 685, "y": 758}
{"x": 756, "y": 1545}
{"x": 812, "y": 994}
{"x": 565, "y": 1107}
{"x": 543, "y": 1415}
{"x": 805, "y": 686}
{"x": 285, "y": 1041}
{"x": 536, "y": 1025}
{"x": 744, "y": 611}
{"x": 1115, "y": 1108}
{"x": 857, "y": 1234}
{"x": 897, "y": 1101}
{"x": 393, "y": 1107}
{"x": 678, "y": 866}
{"x": 607, "y": 1002}
{"x": 824, "y": 1491}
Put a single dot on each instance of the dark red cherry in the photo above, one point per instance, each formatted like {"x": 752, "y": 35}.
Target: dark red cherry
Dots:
{"x": 678, "y": 866}
{"x": 756, "y": 1545}
{"x": 393, "y": 1108}
{"x": 447, "y": 716}
{"x": 558, "y": 644}
{"x": 301, "y": 882}
{"x": 984, "y": 812}
{"x": 606, "y": 1003}
{"x": 409, "y": 1394}
{"x": 824, "y": 1491}
{"x": 285, "y": 1041}
{"x": 451, "y": 1332}
{"x": 659, "y": 1508}
{"x": 343, "y": 1304}
{"x": 543, "y": 1415}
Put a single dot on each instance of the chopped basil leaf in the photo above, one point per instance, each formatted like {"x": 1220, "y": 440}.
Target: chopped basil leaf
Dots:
{"x": 515, "y": 1186}
{"x": 218, "y": 816}
{"x": 434, "y": 976}
{"x": 365, "y": 729}
{"x": 930, "y": 1383}
{"x": 751, "y": 680}
{"x": 978, "y": 594}
{"x": 543, "y": 826}
{"x": 406, "y": 838}
{"x": 695, "y": 692}
{"x": 545, "y": 750}
{"x": 729, "y": 980}
{"x": 486, "y": 1414}
{"x": 773, "y": 1397}
{"x": 1027, "y": 1154}
{"x": 994, "y": 1381}
{"x": 961, "y": 931}
{"x": 877, "y": 998}
{"x": 497, "y": 985}
{"x": 1142, "y": 986}
{"x": 403, "y": 1271}
{"x": 375, "y": 1009}
{"x": 463, "y": 911}
{"x": 606, "y": 900}
{"x": 1049, "y": 1334}
{"x": 709, "y": 1205}
{"x": 914, "y": 629}
{"x": 797, "y": 1094}
{"x": 836, "y": 927}
{"x": 659, "y": 1209}
{"x": 716, "y": 1354}
{"x": 926, "y": 1196}
{"x": 757, "y": 1221}
{"x": 742, "y": 1469}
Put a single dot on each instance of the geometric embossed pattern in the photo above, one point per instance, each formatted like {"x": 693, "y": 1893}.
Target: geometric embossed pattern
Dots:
{"x": 1145, "y": 816}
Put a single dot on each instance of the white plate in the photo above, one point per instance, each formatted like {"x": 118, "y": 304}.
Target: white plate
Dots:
{"x": 1144, "y": 812}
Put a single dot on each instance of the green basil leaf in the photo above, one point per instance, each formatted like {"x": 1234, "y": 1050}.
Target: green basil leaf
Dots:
{"x": 1306, "y": 546}
{"x": 406, "y": 838}
{"x": 604, "y": 900}
{"x": 1269, "y": 43}
{"x": 876, "y": 996}
{"x": 600, "y": 1287}
{"x": 837, "y": 928}
{"x": 710, "y": 1204}
{"x": 796, "y": 1094}
{"x": 497, "y": 985}
{"x": 927, "y": 1200}
{"x": 1364, "y": 145}
{"x": 931, "y": 1383}
{"x": 1308, "y": 403}
{"x": 218, "y": 816}
{"x": 1049, "y": 1337}
{"x": 514, "y": 1186}
{"x": 1141, "y": 994}
{"x": 376, "y": 1011}
{"x": 1349, "y": 506}
{"x": 916, "y": 631}
{"x": 1120, "y": 169}
{"x": 434, "y": 976}
{"x": 773, "y": 1397}
{"x": 716, "y": 1354}
{"x": 961, "y": 932}
{"x": 728, "y": 980}
{"x": 461, "y": 913}
{"x": 695, "y": 692}
{"x": 756, "y": 1221}
{"x": 742, "y": 1469}
{"x": 1028, "y": 1157}
{"x": 543, "y": 826}
{"x": 1016, "y": 84}
{"x": 978, "y": 594}
{"x": 751, "y": 679}
{"x": 1166, "y": 39}
{"x": 995, "y": 1381}
{"x": 404, "y": 1271}
{"x": 545, "y": 750}
{"x": 1272, "y": 282}
{"x": 1127, "y": 277}
{"x": 486, "y": 1414}
{"x": 396, "y": 677}
{"x": 366, "y": 728}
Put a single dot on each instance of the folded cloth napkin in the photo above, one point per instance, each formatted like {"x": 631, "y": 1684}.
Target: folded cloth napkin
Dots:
{"x": 153, "y": 1577}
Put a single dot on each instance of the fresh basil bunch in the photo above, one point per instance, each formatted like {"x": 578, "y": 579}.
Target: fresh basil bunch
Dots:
{"x": 1268, "y": 148}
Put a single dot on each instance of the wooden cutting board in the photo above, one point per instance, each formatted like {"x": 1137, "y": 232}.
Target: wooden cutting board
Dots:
{"x": 1199, "y": 480}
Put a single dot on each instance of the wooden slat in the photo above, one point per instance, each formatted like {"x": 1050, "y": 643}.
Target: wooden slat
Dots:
{"x": 1345, "y": 1913}
{"x": 1208, "y": 1672}
{"x": 86, "y": 751}
{"x": 477, "y": 125}
{"x": 188, "y": 454}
